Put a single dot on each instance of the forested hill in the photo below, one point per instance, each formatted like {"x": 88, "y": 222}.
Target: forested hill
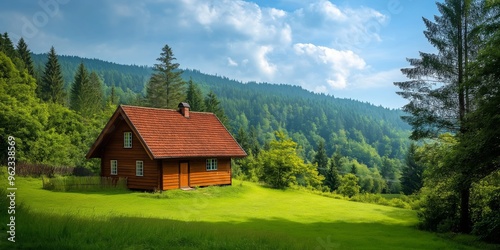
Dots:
{"x": 372, "y": 135}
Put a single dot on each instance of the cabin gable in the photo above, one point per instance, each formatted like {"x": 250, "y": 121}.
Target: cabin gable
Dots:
{"x": 126, "y": 159}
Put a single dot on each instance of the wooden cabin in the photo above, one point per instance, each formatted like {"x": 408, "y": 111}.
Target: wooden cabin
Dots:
{"x": 161, "y": 149}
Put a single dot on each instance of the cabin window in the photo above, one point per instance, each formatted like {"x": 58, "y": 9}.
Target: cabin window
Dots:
{"x": 127, "y": 140}
{"x": 139, "y": 168}
{"x": 114, "y": 167}
{"x": 211, "y": 164}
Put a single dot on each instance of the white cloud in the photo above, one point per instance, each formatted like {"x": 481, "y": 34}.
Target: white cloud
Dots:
{"x": 380, "y": 79}
{"x": 338, "y": 63}
{"x": 231, "y": 62}
{"x": 331, "y": 11}
{"x": 263, "y": 63}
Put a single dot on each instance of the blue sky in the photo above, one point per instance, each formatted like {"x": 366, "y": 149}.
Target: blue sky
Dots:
{"x": 350, "y": 49}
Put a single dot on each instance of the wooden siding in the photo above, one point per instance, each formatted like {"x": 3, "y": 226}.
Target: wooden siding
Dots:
{"x": 197, "y": 171}
{"x": 199, "y": 176}
{"x": 170, "y": 174}
{"x": 126, "y": 158}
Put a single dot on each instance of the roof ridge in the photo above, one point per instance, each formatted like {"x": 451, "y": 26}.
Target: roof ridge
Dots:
{"x": 143, "y": 107}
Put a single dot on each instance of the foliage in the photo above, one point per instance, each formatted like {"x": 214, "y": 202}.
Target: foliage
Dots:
{"x": 282, "y": 167}
{"x": 80, "y": 82}
{"x": 21, "y": 114}
{"x": 51, "y": 88}
{"x": 194, "y": 97}
{"x": 6, "y": 46}
{"x": 412, "y": 175}
{"x": 25, "y": 55}
{"x": 165, "y": 88}
{"x": 349, "y": 185}
{"x": 485, "y": 208}
{"x": 213, "y": 105}
{"x": 321, "y": 159}
{"x": 332, "y": 177}
{"x": 444, "y": 95}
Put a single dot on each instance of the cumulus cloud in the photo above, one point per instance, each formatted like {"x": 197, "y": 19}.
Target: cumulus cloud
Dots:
{"x": 338, "y": 63}
{"x": 317, "y": 44}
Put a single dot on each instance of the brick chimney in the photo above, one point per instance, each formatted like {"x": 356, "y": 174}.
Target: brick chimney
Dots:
{"x": 184, "y": 109}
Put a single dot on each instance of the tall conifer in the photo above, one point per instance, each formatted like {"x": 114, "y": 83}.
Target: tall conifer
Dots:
{"x": 165, "y": 88}
{"x": 52, "y": 84}
{"x": 25, "y": 55}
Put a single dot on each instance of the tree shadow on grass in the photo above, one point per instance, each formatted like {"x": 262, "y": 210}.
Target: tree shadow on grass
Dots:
{"x": 49, "y": 231}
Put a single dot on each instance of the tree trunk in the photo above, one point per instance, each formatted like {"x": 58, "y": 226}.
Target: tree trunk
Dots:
{"x": 465, "y": 221}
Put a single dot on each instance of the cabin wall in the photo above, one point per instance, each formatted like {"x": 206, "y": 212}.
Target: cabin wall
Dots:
{"x": 127, "y": 158}
{"x": 199, "y": 176}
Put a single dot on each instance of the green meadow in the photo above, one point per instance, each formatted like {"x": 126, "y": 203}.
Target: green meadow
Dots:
{"x": 243, "y": 216}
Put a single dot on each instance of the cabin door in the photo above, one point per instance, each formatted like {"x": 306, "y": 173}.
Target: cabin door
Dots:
{"x": 184, "y": 174}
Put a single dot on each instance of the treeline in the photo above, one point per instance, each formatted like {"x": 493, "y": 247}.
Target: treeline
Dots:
{"x": 36, "y": 112}
{"x": 127, "y": 80}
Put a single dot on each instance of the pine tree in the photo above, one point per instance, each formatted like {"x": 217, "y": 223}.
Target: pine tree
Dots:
{"x": 321, "y": 159}
{"x": 25, "y": 55}
{"x": 52, "y": 84}
{"x": 195, "y": 97}
{"x": 91, "y": 97}
{"x": 243, "y": 140}
{"x": 412, "y": 175}
{"x": 7, "y": 46}
{"x": 113, "y": 99}
{"x": 354, "y": 171}
{"x": 332, "y": 178}
{"x": 80, "y": 82}
{"x": 165, "y": 88}
{"x": 212, "y": 105}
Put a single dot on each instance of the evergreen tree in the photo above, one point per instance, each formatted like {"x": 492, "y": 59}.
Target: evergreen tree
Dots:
{"x": 321, "y": 159}
{"x": 412, "y": 175}
{"x": 439, "y": 93}
{"x": 91, "y": 96}
{"x": 212, "y": 104}
{"x": 25, "y": 54}
{"x": 194, "y": 97}
{"x": 7, "y": 47}
{"x": 165, "y": 88}
{"x": 353, "y": 170}
{"x": 243, "y": 140}
{"x": 112, "y": 96}
{"x": 254, "y": 145}
{"x": 80, "y": 83}
{"x": 52, "y": 85}
{"x": 332, "y": 178}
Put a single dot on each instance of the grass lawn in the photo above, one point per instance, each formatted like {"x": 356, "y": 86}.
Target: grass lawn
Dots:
{"x": 242, "y": 216}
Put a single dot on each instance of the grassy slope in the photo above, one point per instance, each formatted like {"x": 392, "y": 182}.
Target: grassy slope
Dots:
{"x": 243, "y": 216}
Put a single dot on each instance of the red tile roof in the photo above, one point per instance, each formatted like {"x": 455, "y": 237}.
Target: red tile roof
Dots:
{"x": 166, "y": 133}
